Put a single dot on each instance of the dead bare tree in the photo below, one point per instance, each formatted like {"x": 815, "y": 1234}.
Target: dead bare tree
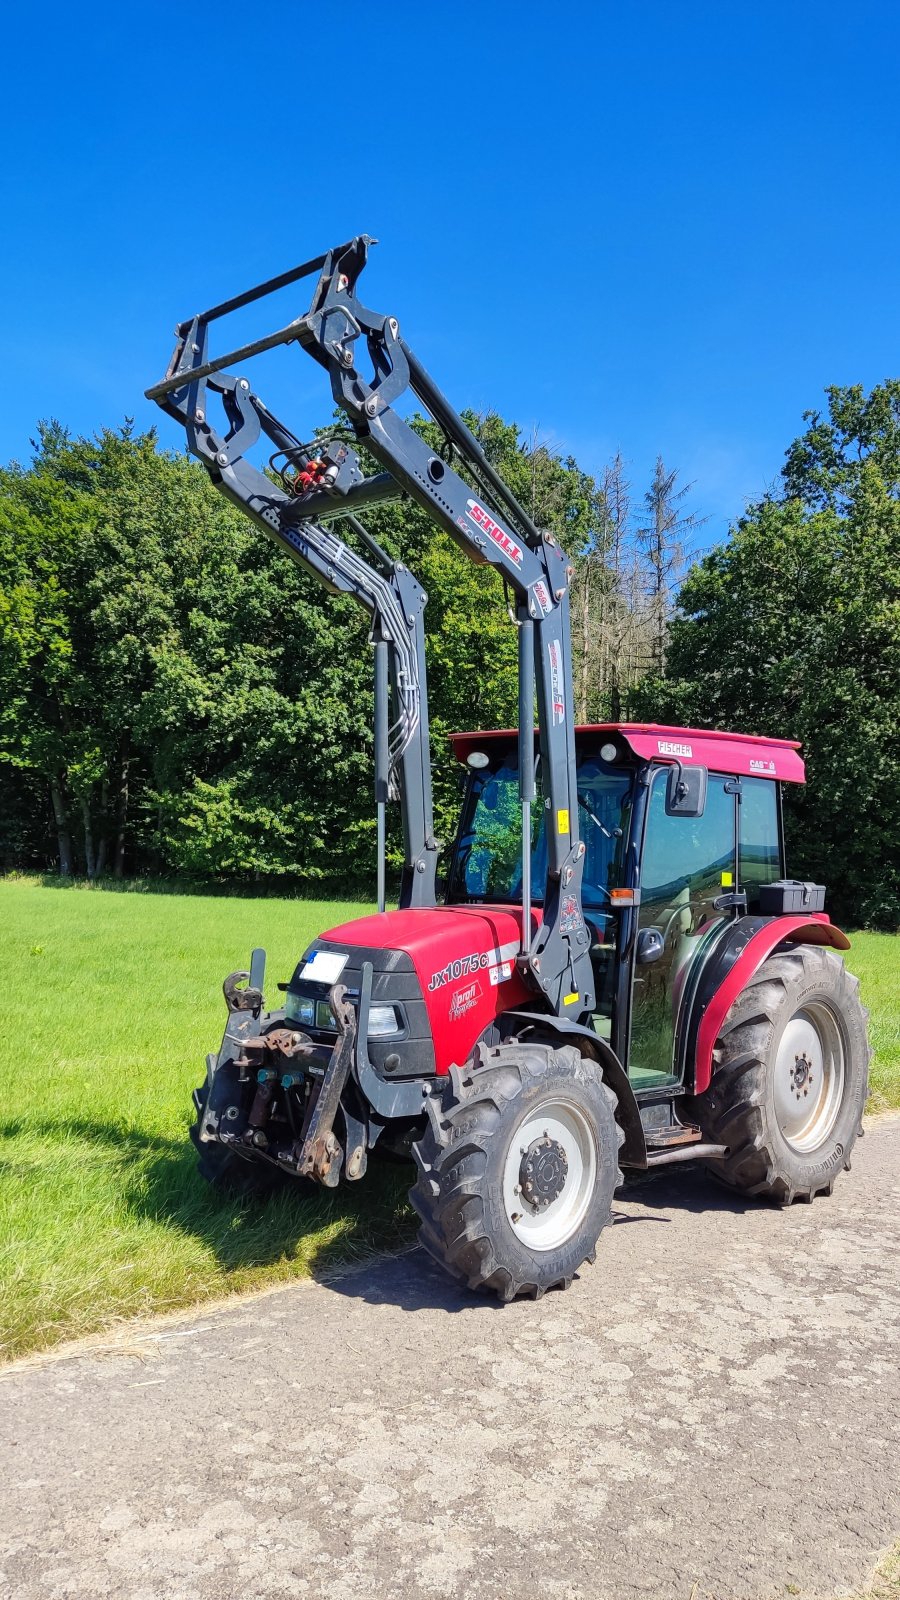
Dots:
{"x": 661, "y": 541}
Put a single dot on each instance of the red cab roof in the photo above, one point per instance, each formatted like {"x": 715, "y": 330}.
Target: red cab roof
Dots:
{"x": 743, "y": 754}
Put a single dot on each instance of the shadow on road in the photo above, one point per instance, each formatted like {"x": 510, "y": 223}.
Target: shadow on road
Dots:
{"x": 684, "y": 1187}
{"x": 411, "y": 1281}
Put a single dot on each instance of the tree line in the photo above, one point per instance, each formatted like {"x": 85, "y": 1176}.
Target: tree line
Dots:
{"x": 177, "y": 697}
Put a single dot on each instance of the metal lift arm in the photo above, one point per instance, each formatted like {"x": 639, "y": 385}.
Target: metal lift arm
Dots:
{"x": 488, "y": 524}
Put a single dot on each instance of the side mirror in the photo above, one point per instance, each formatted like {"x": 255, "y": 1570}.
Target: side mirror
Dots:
{"x": 650, "y": 946}
{"x": 686, "y": 791}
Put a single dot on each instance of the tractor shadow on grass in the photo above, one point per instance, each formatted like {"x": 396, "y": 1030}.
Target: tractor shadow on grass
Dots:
{"x": 156, "y": 1176}
{"x": 358, "y": 1240}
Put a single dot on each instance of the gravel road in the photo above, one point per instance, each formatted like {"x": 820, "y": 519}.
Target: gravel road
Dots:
{"x": 713, "y": 1410}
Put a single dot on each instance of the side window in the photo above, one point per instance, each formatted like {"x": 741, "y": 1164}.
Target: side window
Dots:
{"x": 681, "y": 878}
{"x": 684, "y": 857}
{"x": 760, "y": 851}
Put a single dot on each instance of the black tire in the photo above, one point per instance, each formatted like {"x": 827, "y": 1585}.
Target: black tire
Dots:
{"x": 224, "y": 1169}
{"x": 461, "y": 1159}
{"x": 761, "y": 1090}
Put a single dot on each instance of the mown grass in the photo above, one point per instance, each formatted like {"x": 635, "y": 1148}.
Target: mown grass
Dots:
{"x": 875, "y": 958}
{"x": 112, "y": 1001}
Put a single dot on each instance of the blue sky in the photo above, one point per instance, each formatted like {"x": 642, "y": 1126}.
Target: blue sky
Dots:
{"x": 658, "y": 227}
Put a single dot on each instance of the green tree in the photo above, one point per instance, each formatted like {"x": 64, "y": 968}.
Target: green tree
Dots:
{"x": 792, "y": 629}
{"x": 182, "y": 697}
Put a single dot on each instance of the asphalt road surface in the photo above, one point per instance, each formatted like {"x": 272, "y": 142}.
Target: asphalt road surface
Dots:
{"x": 711, "y": 1411}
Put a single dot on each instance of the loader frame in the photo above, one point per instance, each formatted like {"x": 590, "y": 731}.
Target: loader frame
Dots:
{"x": 472, "y": 504}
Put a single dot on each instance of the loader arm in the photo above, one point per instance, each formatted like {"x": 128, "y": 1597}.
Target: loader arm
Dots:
{"x": 477, "y": 510}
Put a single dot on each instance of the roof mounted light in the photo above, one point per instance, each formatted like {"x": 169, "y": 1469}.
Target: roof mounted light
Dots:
{"x": 477, "y": 759}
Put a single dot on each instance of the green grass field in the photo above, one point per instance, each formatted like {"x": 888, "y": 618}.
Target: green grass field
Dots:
{"x": 113, "y": 1000}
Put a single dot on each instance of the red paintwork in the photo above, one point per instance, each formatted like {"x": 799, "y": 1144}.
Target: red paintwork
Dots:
{"x": 740, "y": 753}
{"x": 813, "y": 928}
{"x": 460, "y": 1008}
{"x": 465, "y": 1003}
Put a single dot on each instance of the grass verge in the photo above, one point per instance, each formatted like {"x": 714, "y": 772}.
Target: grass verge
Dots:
{"x": 113, "y": 1001}
{"x": 884, "y": 1583}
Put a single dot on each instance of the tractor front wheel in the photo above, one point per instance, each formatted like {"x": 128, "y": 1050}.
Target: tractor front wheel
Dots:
{"x": 517, "y": 1168}
{"x": 790, "y": 1077}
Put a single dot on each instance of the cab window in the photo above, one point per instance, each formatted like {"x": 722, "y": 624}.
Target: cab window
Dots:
{"x": 760, "y": 845}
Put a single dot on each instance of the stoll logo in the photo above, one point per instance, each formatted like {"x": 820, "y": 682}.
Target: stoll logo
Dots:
{"x": 557, "y": 693}
{"x": 501, "y": 538}
{"x": 668, "y": 747}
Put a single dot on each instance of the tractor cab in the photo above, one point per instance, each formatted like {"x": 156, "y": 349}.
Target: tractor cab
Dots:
{"x": 680, "y": 829}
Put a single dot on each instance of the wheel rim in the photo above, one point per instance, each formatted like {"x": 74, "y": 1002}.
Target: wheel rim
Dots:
{"x": 810, "y": 1070}
{"x": 549, "y": 1175}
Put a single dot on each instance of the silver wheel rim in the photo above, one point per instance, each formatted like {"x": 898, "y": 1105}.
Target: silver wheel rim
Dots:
{"x": 810, "y": 1070}
{"x": 566, "y": 1127}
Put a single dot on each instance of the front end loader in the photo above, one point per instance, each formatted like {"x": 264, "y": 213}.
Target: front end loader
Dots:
{"x": 618, "y": 975}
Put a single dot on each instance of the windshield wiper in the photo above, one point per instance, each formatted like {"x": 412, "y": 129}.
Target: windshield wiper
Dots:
{"x": 616, "y": 833}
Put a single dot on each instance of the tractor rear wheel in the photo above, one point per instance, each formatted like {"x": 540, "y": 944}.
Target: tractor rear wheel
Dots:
{"x": 517, "y": 1168}
{"x": 225, "y": 1169}
{"x": 790, "y": 1077}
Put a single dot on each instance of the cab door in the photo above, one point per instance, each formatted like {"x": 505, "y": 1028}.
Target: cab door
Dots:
{"x": 687, "y": 863}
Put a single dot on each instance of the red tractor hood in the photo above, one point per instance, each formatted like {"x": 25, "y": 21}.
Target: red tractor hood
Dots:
{"x": 465, "y": 960}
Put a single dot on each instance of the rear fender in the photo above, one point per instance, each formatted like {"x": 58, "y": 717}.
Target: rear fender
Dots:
{"x": 634, "y": 1150}
{"x": 732, "y": 963}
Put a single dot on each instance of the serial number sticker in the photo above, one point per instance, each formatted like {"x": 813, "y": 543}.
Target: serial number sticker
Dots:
{"x": 562, "y": 821}
{"x": 325, "y": 966}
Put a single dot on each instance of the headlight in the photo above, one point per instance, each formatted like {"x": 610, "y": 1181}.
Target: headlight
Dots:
{"x": 325, "y": 1017}
{"x": 298, "y": 1009}
{"x": 383, "y": 1021}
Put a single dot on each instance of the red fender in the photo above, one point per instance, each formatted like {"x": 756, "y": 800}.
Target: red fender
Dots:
{"x": 813, "y": 928}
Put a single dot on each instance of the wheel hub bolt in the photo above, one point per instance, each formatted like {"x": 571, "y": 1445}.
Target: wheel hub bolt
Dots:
{"x": 543, "y": 1172}
{"x": 801, "y": 1072}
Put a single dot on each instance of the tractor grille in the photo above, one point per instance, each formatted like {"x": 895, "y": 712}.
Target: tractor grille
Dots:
{"x": 407, "y": 1053}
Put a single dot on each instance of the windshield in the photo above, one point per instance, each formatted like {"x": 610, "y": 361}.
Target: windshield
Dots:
{"x": 487, "y": 864}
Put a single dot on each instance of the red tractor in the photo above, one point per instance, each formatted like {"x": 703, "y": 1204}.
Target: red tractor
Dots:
{"x": 618, "y": 974}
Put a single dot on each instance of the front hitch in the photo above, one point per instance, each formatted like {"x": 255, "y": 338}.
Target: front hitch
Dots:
{"x": 320, "y": 1154}
{"x": 262, "y": 1047}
